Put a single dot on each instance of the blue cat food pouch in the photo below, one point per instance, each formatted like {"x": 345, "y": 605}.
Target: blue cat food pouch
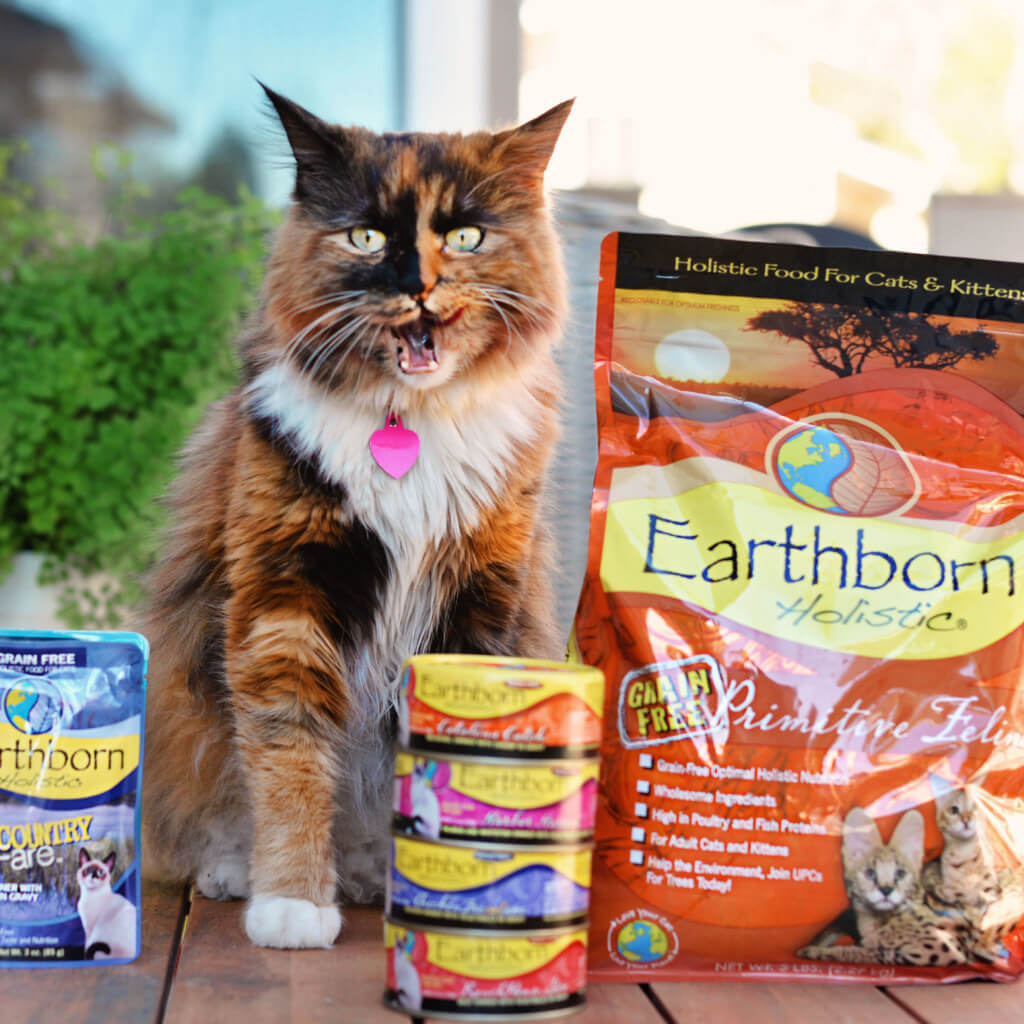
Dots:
{"x": 71, "y": 727}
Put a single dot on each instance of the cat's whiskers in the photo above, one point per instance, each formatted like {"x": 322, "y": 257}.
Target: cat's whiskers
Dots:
{"x": 496, "y": 306}
{"x": 321, "y": 300}
{"x": 293, "y": 346}
{"x": 508, "y": 326}
{"x": 329, "y": 346}
{"x": 339, "y": 345}
{"x": 497, "y": 298}
{"x": 528, "y": 307}
{"x": 360, "y": 367}
{"x": 349, "y": 334}
{"x": 527, "y": 300}
{"x": 292, "y": 309}
{"x": 299, "y": 337}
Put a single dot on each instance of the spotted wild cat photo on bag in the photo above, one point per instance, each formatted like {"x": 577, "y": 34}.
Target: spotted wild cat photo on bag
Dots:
{"x": 805, "y": 590}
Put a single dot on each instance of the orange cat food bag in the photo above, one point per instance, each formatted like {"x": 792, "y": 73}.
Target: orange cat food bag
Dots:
{"x": 805, "y": 587}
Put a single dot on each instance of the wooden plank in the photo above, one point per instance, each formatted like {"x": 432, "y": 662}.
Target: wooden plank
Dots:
{"x": 971, "y": 1002}
{"x": 124, "y": 993}
{"x": 740, "y": 1002}
{"x": 221, "y": 976}
{"x": 616, "y": 1004}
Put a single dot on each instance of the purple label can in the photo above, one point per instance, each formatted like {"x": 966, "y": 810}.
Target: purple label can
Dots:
{"x": 499, "y": 887}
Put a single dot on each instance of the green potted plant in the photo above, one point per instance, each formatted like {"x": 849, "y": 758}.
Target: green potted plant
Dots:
{"x": 109, "y": 351}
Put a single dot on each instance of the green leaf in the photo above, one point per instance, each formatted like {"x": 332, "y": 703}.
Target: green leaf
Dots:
{"x": 110, "y": 351}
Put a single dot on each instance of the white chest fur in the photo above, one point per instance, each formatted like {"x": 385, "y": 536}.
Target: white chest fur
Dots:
{"x": 467, "y": 446}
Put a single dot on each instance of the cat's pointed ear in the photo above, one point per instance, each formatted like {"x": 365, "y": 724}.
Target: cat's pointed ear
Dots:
{"x": 83, "y": 856}
{"x": 317, "y": 147}
{"x": 110, "y": 861}
{"x": 528, "y": 148}
{"x": 908, "y": 837}
{"x": 940, "y": 787}
{"x": 860, "y": 834}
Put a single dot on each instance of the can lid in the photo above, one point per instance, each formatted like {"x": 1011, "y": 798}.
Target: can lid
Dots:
{"x": 570, "y": 849}
{"x": 567, "y": 763}
{"x": 498, "y": 663}
{"x": 535, "y": 934}
{"x": 574, "y": 1002}
{"x": 429, "y": 743}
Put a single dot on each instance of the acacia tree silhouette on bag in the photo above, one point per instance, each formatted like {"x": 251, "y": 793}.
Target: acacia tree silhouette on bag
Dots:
{"x": 841, "y": 338}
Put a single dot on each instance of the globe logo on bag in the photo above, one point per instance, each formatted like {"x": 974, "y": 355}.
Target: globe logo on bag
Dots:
{"x": 642, "y": 942}
{"x": 843, "y": 465}
{"x": 32, "y": 706}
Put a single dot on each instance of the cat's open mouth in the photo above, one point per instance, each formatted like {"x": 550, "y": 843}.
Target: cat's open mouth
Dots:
{"x": 418, "y": 350}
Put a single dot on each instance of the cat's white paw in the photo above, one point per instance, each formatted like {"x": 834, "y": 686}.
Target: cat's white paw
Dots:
{"x": 224, "y": 879}
{"x": 287, "y": 923}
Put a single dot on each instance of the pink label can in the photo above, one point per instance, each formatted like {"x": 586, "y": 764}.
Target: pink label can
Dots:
{"x": 439, "y": 796}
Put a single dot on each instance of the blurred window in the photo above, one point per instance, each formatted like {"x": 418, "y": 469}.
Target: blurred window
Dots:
{"x": 717, "y": 116}
{"x": 175, "y": 84}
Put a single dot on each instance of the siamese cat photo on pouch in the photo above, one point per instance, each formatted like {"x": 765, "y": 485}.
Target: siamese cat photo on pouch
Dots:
{"x": 109, "y": 919}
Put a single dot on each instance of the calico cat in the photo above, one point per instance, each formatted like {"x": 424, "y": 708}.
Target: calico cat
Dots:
{"x": 371, "y": 490}
{"x": 107, "y": 917}
{"x": 894, "y": 925}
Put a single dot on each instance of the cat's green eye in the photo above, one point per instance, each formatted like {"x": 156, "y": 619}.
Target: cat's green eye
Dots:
{"x": 368, "y": 239}
{"x": 464, "y": 239}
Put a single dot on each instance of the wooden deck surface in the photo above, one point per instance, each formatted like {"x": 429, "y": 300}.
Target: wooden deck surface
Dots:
{"x": 197, "y": 965}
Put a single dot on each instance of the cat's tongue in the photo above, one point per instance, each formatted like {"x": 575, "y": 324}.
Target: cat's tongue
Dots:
{"x": 416, "y": 350}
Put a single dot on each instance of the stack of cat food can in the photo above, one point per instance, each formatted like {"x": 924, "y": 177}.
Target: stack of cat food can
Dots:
{"x": 494, "y": 804}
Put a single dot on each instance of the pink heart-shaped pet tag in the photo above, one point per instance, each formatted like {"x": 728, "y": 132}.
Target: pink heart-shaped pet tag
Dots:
{"x": 394, "y": 448}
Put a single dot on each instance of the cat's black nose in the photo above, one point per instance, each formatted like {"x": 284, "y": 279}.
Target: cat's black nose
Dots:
{"x": 407, "y": 272}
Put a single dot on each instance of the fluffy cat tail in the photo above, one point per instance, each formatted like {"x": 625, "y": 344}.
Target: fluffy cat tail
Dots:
{"x": 156, "y": 868}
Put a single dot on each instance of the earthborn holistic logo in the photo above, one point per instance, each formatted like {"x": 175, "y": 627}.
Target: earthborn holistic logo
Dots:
{"x": 844, "y": 465}
{"x": 32, "y": 706}
{"x": 673, "y": 700}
